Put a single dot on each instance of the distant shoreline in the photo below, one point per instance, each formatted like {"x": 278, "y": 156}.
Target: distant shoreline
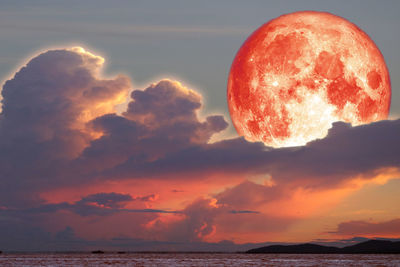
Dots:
{"x": 367, "y": 247}
{"x": 124, "y": 252}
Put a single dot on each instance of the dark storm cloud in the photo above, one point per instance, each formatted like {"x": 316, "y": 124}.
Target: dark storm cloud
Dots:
{"x": 346, "y": 152}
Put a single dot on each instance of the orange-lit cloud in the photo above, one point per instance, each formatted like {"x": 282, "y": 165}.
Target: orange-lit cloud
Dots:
{"x": 70, "y": 165}
{"x": 369, "y": 229}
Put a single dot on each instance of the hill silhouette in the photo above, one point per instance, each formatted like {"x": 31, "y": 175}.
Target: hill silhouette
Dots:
{"x": 367, "y": 247}
{"x": 97, "y": 252}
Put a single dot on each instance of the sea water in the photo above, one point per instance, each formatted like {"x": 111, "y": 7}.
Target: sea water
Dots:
{"x": 195, "y": 259}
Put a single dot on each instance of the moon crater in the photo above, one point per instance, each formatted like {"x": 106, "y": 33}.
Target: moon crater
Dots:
{"x": 299, "y": 73}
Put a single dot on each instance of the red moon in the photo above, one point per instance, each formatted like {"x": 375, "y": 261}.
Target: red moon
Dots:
{"x": 300, "y": 72}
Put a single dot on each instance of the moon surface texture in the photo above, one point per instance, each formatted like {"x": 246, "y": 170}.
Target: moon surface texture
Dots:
{"x": 297, "y": 74}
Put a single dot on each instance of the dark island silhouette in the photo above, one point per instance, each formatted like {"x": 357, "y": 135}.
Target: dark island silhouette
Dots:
{"x": 97, "y": 252}
{"x": 367, "y": 247}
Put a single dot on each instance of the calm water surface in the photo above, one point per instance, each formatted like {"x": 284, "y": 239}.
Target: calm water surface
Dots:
{"x": 181, "y": 259}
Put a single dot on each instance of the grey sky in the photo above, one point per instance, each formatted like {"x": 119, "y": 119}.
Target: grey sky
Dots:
{"x": 194, "y": 41}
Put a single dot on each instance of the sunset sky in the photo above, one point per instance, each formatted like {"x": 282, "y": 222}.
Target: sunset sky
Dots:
{"x": 115, "y": 133}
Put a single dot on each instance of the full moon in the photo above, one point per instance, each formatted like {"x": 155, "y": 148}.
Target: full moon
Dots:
{"x": 297, "y": 74}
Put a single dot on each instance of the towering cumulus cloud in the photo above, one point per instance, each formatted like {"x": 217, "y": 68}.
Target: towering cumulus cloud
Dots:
{"x": 71, "y": 168}
{"x": 45, "y": 108}
{"x": 160, "y": 120}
